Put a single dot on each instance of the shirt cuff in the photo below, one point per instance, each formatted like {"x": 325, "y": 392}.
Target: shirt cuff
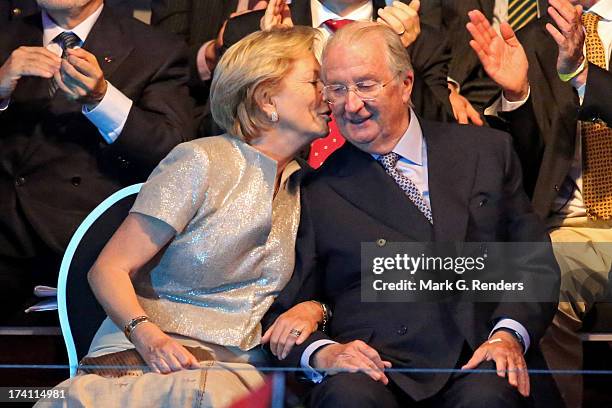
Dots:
{"x": 203, "y": 70}
{"x": 507, "y": 106}
{"x": 4, "y": 103}
{"x": 517, "y": 327}
{"x": 455, "y": 83}
{"x": 310, "y": 373}
{"x": 111, "y": 113}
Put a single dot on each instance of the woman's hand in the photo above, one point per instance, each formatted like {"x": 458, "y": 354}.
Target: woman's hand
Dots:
{"x": 162, "y": 353}
{"x": 303, "y": 318}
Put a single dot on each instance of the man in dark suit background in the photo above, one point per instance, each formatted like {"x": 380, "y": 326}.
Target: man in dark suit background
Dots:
{"x": 77, "y": 128}
{"x": 200, "y": 24}
{"x": 542, "y": 71}
{"x": 405, "y": 179}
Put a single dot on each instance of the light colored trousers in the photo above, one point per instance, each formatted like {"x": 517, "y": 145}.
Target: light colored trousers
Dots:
{"x": 583, "y": 249}
{"x": 217, "y": 383}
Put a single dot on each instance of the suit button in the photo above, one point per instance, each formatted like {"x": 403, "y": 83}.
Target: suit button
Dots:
{"x": 76, "y": 181}
{"x": 381, "y": 242}
{"x": 16, "y": 12}
{"x": 557, "y": 188}
{"x": 483, "y": 202}
{"x": 402, "y": 330}
{"x": 20, "y": 181}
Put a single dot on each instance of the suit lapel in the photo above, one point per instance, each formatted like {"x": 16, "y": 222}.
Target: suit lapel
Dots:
{"x": 363, "y": 182}
{"x": 451, "y": 176}
{"x": 560, "y": 103}
{"x": 107, "y": 42}
{"x": 300, "y": 13}
{"x": 487, "y": 7}
{"x": 378, "y": 4}
{"x": 32, "y": 88}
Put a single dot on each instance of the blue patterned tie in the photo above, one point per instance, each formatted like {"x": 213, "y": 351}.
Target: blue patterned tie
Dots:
{"x": 66, "y": 40}
{"x": 389, "y": 161}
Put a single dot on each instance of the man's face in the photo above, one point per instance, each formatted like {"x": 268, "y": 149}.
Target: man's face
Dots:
{"x": 61, "y": 4}
{"x": 374, "y": 126}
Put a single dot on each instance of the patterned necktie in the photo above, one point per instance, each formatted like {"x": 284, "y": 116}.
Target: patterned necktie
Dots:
{"x": 389, "y": 161}
{"x": 521, "y": 12}
{"x": 66, "y": 40}
{"x": 320, "y": 149}
{"x": 596, "y": 140}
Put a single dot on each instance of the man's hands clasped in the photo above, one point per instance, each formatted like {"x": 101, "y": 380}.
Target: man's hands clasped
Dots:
{"x": 27, "y": 61}
{"x": 79, "y": 75}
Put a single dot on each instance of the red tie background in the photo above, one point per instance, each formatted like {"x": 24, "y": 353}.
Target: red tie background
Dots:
{"x": 320, "y": 149}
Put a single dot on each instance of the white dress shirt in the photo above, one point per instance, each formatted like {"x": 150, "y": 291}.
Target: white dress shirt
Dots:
{"x": 110, "y": 115}
{"x": 412, "y": 148}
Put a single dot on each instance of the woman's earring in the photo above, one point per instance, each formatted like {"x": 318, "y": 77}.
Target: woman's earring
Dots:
{"x": 274, "y": 116}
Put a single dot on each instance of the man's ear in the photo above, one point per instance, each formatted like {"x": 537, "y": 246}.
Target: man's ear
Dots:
{"x": 407, "y": 83}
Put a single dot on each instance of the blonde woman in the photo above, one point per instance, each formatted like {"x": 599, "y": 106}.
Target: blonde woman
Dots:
{"x": 210, "y": 239}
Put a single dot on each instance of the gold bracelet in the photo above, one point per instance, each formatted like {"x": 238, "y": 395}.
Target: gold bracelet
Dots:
{"x": 131, "y": 325}
{"x": 569, "y": 77}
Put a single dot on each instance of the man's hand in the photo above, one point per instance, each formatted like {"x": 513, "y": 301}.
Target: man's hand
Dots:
{"x": 303, "y": 317}
{"x": 503, "y": 58}
{"x": 81, "y": 78}
{"x": 277, "y": 13}
{"x": 403, "y": 19}
{"x": 27, "y": 61}
{"x": 352, "y": 357}
{"x": 506, "y": 351}
{"x": 462, "y": 108}
{"x": 569, "y": 36}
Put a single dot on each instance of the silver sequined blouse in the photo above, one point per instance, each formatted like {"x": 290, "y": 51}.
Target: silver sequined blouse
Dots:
{"x": 234, "y": 244}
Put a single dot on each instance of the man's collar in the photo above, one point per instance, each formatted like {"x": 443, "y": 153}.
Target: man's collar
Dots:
{"x": 52, "y": 30}
{"x": 320, "y": 13}
{"x": 603, "y": 8}
{"x": 410, "y": 146}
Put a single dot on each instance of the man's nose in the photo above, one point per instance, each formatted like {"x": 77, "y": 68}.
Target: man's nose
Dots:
{"x": 352, "y": 103}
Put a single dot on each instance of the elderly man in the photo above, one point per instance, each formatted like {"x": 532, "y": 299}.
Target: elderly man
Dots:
{"x": 89, "y": 102}
{"x": 402, "y": 178}
{"x": 566, "y": 162}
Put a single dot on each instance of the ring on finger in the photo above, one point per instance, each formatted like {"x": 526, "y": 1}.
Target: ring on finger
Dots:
{"x": 295, "y": 332}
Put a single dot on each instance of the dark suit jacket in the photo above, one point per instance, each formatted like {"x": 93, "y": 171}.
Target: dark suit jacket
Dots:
{"x": 7, "y": 8}
{"x": 544, "y": 129}
{"x": 196, "y": 22}
{"x": 55, "y": 167}
{"x": 476, "y": 195}
{"x": 596, "y": 104}
{"x": 429, "y": 56}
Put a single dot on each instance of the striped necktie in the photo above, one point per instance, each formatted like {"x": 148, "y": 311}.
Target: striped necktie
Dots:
{"x": 389, "y": 161}
{"x": 521, "y": 12}
{"x": 66, "y": 40}
{"x": 596, "y": 140}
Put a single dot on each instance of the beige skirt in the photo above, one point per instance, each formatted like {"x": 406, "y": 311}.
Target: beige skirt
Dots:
{"x": 226, "y": 376}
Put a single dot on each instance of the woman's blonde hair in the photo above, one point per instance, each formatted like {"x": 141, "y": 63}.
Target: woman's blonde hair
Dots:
{"x": 250, "y": 68}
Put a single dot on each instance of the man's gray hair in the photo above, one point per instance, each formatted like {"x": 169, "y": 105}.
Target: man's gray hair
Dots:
{"x": 397, "y": 56}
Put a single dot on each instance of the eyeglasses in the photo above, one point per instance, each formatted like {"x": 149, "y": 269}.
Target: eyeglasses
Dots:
{"x": 364, "y": 90}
